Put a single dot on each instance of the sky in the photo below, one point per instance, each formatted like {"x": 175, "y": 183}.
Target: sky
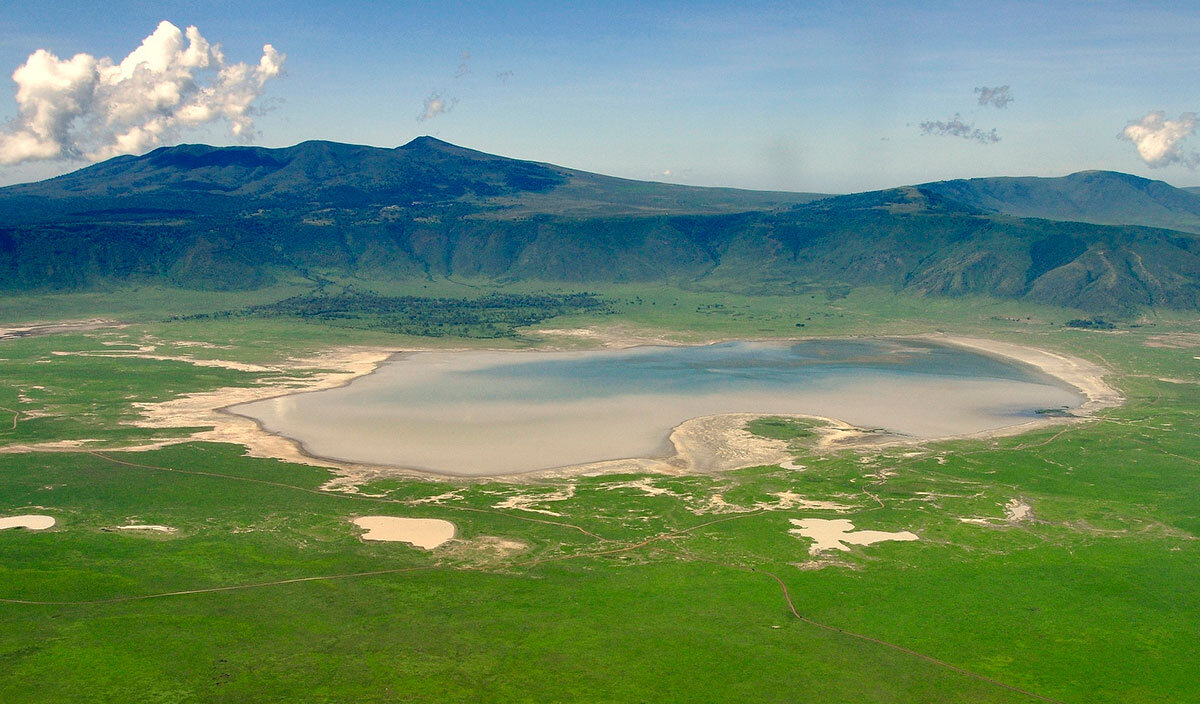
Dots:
{"x": 826, "y": 96}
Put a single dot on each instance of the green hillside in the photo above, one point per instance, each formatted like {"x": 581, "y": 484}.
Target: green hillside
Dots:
{"x": 241, "y": 218}
{"x": 1101, "y": 197}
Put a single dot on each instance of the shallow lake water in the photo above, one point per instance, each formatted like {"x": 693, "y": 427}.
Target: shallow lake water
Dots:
{"x": 484, "y": 413}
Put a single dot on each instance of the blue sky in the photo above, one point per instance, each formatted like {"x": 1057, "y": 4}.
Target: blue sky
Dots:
{"x": 826, "y": 96}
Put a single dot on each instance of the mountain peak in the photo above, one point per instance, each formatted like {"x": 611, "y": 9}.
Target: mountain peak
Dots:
{"x": 427, "y": 142}
{"x": 432, "y": 147}
{"x": 424, "y": 170}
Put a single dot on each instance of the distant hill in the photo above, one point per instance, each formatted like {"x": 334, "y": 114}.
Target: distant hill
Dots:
{"x": 243, "y": 217}
{"x": 424, "y": 172}
{"x": 1101, "y": 197}
{"x": 918, "y": 240}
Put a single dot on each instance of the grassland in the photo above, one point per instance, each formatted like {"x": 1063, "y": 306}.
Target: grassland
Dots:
{"x": 630, "y": 588}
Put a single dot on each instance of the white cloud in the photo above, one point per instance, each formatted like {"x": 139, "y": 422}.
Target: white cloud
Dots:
{"x": 1159, "y": 140}
{"x": 997, "y": 97}
{"x": 90, "y": 108}
{"x": 955, "y": 127}
{"x": 436, "y": 105}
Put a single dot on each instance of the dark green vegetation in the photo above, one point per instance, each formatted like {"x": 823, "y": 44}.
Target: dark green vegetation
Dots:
{"x": 777, "y": 428}
{"x": 244, "y": 218}
{"x": 1101, "y": 197}
{"x": 489, "y": 316}
{"x": 1091, "y": 324}
{"x": 626, "y": 594}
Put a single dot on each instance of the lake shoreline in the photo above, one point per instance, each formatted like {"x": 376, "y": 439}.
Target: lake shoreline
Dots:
{"x": 721, "y": 440}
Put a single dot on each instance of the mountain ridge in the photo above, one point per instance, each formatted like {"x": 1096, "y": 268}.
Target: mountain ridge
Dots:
{"x": 242, "y": 217}
{"x": 424, "y": 168}
{"x": 1095, "y": 196}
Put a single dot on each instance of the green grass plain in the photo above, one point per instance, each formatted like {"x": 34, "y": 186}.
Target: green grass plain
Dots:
{"x": 624, "y": 596}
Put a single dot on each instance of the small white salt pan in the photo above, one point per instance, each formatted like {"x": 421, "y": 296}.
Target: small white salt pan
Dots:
{"x": 786, "y": 500}
{"x": 834, "y": 534}
{"x": 157, "y": 529}
{"x": 1017, "y": 510}
{"x": 427, "y": 533}
{"x": 31, "y": 522}
{"x": 646, "y": 486}
{"x": 523, "y": 502}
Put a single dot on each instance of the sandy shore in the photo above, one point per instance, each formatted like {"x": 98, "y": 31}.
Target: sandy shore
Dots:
{"x": 54, "y": 328}
{"x": 706, "y": 444}
{"x": 208, "y": 408}
{"x": 1085, "y": 377}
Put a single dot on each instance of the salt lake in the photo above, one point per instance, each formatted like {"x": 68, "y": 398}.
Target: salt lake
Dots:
{"x": 487, "y": 412}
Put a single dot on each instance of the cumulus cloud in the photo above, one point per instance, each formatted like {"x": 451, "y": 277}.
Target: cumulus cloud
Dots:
{"x": 998, "y": 97}
{"x": 90, "y": 108}
{"x": 1159, "y": 140}
{"x": 436, "y": 105}
{"x": 955, "y": 127}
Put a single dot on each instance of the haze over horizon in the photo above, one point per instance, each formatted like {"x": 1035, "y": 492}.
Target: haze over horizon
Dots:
{"x": 841, "y": 98}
